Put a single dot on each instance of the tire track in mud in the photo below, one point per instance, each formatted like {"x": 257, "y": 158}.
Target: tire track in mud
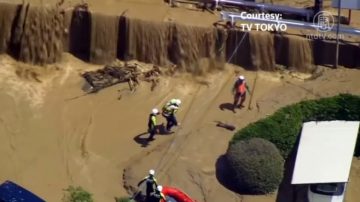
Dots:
{"x": 9, "y": 134}
{"x": 71, "y": 138}
{"x": 64, "y": 145}
{"x": 165, "y": 97}
{"x": 176, "y": 137}
{"x": 176, "y": 143}
{"x": 66, "y": 155}
{"x": 83, "y": 145}
{"x": 11, "y": 131}
{"x": 196, "y": 179}
{"x": 181, "y": 138}
{"x": 168, "y": 144}
{"x": 179, "y": 142}
{"x": 145, "y": 153}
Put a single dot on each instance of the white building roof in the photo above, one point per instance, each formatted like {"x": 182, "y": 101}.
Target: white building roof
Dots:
{"x": 325, "y": 152}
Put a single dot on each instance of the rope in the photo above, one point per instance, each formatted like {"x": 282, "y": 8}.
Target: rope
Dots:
{"x": 237, "y": 47}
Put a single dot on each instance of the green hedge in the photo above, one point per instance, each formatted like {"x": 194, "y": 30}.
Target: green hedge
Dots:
{"x": 283, "y": 127}
{"x": 256, "y": 166}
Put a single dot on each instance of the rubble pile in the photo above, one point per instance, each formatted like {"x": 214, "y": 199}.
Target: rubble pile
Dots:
{"x": 120, "y": 72}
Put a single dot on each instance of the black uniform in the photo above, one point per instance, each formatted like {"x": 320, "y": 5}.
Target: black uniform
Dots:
{"x": 157, "y": 196}
{"x": 151, "y": 185}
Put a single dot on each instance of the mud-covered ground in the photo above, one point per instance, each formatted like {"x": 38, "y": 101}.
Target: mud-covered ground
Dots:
{"x": 193, "y": 162}
{"x": 52, "y": 137}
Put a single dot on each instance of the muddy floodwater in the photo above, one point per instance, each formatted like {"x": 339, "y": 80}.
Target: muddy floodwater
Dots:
{"x": 53, "y": 134}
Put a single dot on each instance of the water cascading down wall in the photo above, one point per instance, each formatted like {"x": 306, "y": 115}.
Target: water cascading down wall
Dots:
{"x": 40, "y": 35}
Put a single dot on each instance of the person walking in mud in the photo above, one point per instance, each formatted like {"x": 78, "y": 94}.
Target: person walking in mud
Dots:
{"x": 239, "y": 91}
{"x": 151, "y": 184}
{"x": 152, "y": 124}
{"x": 168, "y": 113}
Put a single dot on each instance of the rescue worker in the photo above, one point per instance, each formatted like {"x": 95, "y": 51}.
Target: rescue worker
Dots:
{"x": 168, "y": 112}
{"x": 157, "y": 196}
{"x": 152, "y": 123}
{"x": 151, "y": 184}
{"x": 239, "y": 90}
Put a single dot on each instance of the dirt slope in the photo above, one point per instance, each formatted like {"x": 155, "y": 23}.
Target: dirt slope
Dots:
{"x": 51, "y": 136}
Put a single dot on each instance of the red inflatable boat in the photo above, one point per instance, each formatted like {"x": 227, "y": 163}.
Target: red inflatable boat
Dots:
{"x": 175, "y": 195}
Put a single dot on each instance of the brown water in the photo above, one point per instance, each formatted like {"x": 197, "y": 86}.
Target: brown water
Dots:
{"x": 51, "y": 136}
{"x": 8, "y": 13}
{"x": 104, "y": 38}
{"x": 41, "y": 40}
{"x": 40, "y": 34}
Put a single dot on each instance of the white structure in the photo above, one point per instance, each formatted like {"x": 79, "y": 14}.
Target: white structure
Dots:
{"x": 324, "y": 158}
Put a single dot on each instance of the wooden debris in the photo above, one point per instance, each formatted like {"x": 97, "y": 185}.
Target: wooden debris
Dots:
{"x": 226, "y": 126}
{"x": 119, "y": 72}
{"x": 153, "y": 76}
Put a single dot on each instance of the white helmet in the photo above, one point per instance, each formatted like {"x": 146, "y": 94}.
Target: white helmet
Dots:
{"x": 178, "y": 102}
{"x": 173, "y": 101}
{"x": 159, "y": 188}
{"x": 152, "y": 172}
{"x": 241, "y": 77}
{"x": 155, "y": 111}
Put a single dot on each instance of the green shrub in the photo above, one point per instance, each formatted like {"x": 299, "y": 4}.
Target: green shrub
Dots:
{"x": 283, "y": 127}
{"x": 77, "y": 194}
{"x": 256, "y": 166}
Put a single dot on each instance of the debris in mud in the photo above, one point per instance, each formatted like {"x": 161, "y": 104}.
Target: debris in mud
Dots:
{"x": 318, "y": 72}
{"x": 119, "y": 72}
{"x": 226, "y": 126}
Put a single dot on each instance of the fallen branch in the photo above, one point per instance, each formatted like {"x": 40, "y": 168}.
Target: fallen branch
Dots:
{"x": 226, "y": 126}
